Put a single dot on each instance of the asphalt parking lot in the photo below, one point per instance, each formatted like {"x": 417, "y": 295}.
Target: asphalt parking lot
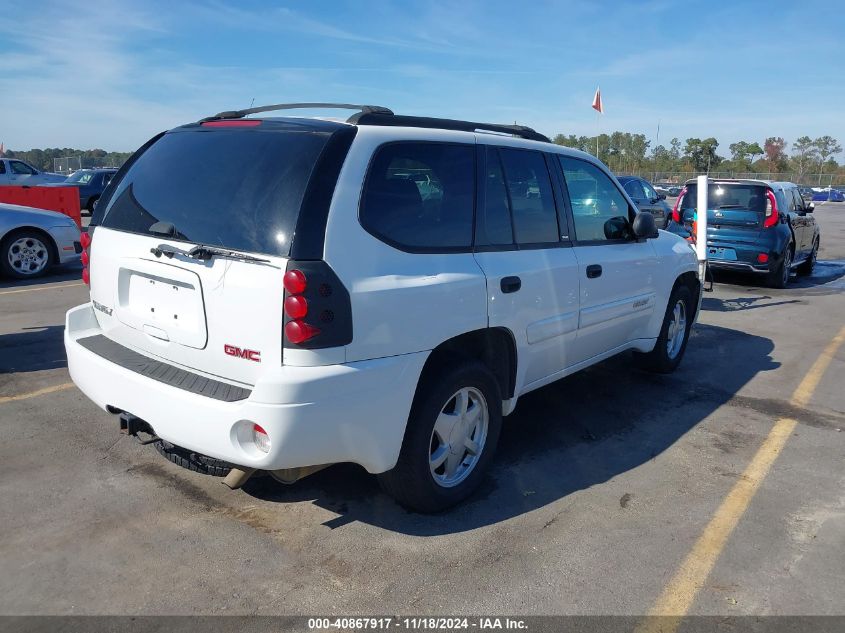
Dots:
{"x": 602, "y": 488}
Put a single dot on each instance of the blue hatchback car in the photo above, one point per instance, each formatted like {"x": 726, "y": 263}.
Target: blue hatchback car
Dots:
{"x": 754, "y": 226}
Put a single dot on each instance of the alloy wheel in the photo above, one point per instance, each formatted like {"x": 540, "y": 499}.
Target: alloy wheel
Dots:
{"x": 28, "y": 255}
{"x": 677, "y": 329}
{"x": 458, "y": 437}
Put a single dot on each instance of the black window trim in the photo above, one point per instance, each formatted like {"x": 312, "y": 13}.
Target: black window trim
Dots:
{"x": 420, "y": 250}
{"x": 614, "y": 182}
{"x": 484, "y": 150}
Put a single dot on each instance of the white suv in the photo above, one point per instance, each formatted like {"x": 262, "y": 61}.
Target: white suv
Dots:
{"x": 378, "y": 291}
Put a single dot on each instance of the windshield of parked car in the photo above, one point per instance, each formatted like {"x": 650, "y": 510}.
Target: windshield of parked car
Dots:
{"x": 81, "y": 177}
{"x": 729, "y": 196}
{"x": 233, "y": 188}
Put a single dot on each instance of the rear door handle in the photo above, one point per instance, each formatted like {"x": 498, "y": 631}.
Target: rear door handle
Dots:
{"x": 510, "y": 284}
{"x": 593, "y": 271}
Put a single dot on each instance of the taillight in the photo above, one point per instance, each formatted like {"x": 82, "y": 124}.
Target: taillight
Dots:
{"x": 676, "y": 212}
{"x": 294, "y": 282}
{"x": 296, "y": 306}
{"x": 85, "y": 240}
{"x": 772, "y": 213}
{"x": 317, "y": 308}
{"x": 763, "y": 258}
{"x": 298, "y": 331}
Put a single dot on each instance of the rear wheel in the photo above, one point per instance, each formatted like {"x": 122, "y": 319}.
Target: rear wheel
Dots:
{"x": 779, "y": 277}
{"x": 91, "y": 202}
{"x": 807, "y": 267}
{"x": 451, "y": 436}
{"x": 25, "y": 254}
{"x": 674, "y": 334}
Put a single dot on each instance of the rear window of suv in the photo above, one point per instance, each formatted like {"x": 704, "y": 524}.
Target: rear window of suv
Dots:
{"x": 749, "y": 197}
{"x": 236, "y": 188}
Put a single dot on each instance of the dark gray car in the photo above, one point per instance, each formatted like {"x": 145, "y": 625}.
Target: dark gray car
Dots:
{"x": 647, "y": 198}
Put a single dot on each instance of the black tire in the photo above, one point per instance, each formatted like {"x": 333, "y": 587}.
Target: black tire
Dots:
{"x": 779, "y": 277}
{"x": 10, "y": 241}
{"x": 659, "y": 360}
{"x": 195, "y": 462}
{"x": 411, "y": 481}
{"x": 90, "y": 206}
{"x": 806, "y": 269}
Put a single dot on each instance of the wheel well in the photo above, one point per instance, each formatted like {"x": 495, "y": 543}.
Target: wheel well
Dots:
{"x": 495, "y": 347}
{"x": 691, "y": 281}
{"x": 51, "y": 243}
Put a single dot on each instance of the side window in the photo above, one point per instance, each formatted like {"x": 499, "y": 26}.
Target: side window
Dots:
{"x": 599, "y": 209}
{"x": 529, "y": 189}
{"x": 799, "y": 201}
{"x": 494, "y": 219}
{"x": 21, "y": 168}
{"x": 2, "y": 167}
{"x": 107, "y": 178}
{"x": 635, "y": 189}
{"x": 420, "y": 196}
{"x": 650, "y": 193}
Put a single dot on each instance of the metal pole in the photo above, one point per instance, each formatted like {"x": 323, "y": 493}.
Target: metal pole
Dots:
{"x": 701, "y": 228}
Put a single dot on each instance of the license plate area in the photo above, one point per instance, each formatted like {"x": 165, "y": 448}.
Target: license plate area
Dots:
{"x": 718, "y": 252}
{"x": 165, "y": 302}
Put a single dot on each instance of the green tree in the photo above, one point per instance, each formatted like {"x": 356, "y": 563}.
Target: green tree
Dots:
{"x": 804, "y": 153}
{"x": 702, "y": 153}
{"x": 826, "y": 146}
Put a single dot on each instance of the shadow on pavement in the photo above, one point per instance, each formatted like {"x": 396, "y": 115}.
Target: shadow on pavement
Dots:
{"x": 34, "y": 349}
{"x": 826, "y": 279}
{"x": 568, "y": 436}
{"x": 67, "y": 272}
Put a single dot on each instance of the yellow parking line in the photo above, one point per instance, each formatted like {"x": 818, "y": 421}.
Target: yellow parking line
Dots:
{"x": 11, "y": 292}
{"x": 677, "y": 597}
{"x": 35, "y": 394}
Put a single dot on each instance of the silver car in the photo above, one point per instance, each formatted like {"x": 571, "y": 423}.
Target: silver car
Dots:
{"x": 32, "y": 240}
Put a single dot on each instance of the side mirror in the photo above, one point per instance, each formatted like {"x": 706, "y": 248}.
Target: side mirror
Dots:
{"x": 810, "y": 207}
{"x": 618, "y": 228}
{"x": 661, "y": 196}
{"x": 644, "y": 226}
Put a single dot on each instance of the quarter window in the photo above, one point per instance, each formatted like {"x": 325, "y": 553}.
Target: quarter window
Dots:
{"x": 599, "y": 209}
{"x": 421, "y": 196}
{"x": 530, "y": 194}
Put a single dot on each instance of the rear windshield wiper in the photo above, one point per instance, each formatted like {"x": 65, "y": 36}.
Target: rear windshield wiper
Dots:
{"x": 205, "y": 253}
{"x": 729, "y": 206}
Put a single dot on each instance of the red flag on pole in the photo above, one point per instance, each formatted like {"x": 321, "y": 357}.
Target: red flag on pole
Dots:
{"x": 597, "y": 102}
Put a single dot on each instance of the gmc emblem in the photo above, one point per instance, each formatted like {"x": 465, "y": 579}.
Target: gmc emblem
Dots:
{"x": 248, "y": 354}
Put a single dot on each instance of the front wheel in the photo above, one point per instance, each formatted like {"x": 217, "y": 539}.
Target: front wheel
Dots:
{"x": 25, "y": 254}
{"x": 674, "y": 334}
{"x": 450, "y": 439}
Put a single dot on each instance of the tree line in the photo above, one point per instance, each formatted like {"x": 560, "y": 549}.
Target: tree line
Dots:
{"x": 43, "y": 158}
{"x": 625, "y": 152}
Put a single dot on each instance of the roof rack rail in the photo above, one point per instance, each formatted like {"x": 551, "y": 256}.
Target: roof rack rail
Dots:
{"x": 382, "y": 118}
{"x": 239, "y": 114}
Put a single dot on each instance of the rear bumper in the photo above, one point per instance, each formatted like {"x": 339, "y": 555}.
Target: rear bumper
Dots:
{"x": 354, "y": 412}
{"x": 742, "y": 266}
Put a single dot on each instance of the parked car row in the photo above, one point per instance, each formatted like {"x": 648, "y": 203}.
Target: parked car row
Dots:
{"x": 90, "y": 182}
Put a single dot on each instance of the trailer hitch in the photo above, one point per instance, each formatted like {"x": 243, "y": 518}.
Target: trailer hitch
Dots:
{"x": 132, "y": 425}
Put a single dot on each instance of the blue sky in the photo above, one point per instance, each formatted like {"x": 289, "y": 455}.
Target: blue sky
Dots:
{"x": 112, "y": 74}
